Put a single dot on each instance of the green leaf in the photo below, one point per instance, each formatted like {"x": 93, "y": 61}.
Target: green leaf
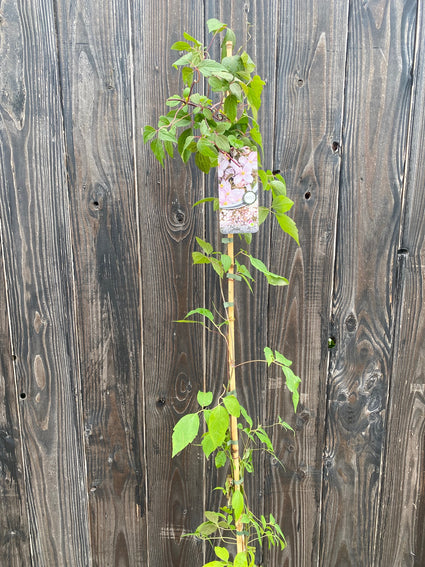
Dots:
{"x": 222, "y": 142}
{"x": 169, "y": 148}
{"x": 217, "y": 84}
{"x": 184, "y": 60}
{"x": 229, "y": 36}
{"x": 269, "y": 355}
{"x": 181, "y": 142}
{"x": 148, "y": 133}
{"x": 263, "y": 213}
{"x": 218, "y": 267}
{"x": 205, "y": 200}
{"x": 184, "y": 432}
{"x": 221, "y": 553}
{"x": 232, "y": 405}
{"x": 167, "y": 135}
{"x": 282, "y": 359}
{"x": 231, "y": 106}
{"x": 282, "y": 204}
{"x": 208, "y": 445}
{"x": 203, "y": 162}
{"x": 288, "y": 226}
{"x": 204, "y": 398}
{"x": 274, "y": 279}
{"x": 254, "y": 92}
{"x": 201, "y": 311}
{"x": 208, "y": 67}
{"x": 220, "y": 459}
{"x": 246, "y": 416}
{"x": 233, "y": 64}
{"x": 199, "y": 258}
{"x": 206, "y": 246}
{"x": 248, "y": 62}
{"x": 237, "y": 504}
{"x": 226, "y": 262}
{"x": 218, "y": 425}
{"x": 236, "y": 89}
{"x": 187, "y": 75}
{"x": 213, "y": 563}
{"x": 206, "y": 529}
{"x": 158, "y": 150}
{"x": 263, "y": 176}
{"x": 181, "y": 46}
{"x": 278, "y": 187}
{"x": 215, "y": 26}
{"x": 206, "y": 148}
{"x": 241, "y": 559}
{"x": 256, "y": 136}
{"x": 292, "y": 383}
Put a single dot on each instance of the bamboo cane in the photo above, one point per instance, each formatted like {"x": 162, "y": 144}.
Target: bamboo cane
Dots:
{"x": 240, "y": 539}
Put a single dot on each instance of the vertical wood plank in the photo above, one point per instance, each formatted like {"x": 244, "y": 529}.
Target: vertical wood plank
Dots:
{"x": 173, "y": 353}
{"x": 14, "y": 533}
{"x": 308, "y": 127}
{"x": 95, "y": 50}
{"x": 34, "y": 210}
{"x": 401, "y": 538}
{"x": 378, "y": 89}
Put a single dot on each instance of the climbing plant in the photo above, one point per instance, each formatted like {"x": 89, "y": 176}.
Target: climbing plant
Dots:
{"x": 214, "y": 120}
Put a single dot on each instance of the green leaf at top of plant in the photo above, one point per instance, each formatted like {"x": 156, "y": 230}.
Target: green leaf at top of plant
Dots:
{"x": 201, "y": 311}
{"x": 282, "y": 359}
{"x": 181, "y": 46}
{"x": 215, "y": 26}
{"x": 288, "y": 226}
{"x": 231, "y": 106}
{"x": 184, "y": 432}
{"x": 204, "y": 398}
{"x": 232, "y": 405}
{"x": 158, "y": 150}
{"x": 237, "y": 504}
{"x": 229, "y": 36}
{"x": 183, "y": 60}
{"x": 248, "y": 62}
{"x": 190, "y": 38}
{"x": 269, "y": 355}
{"x": 222, "y": 553}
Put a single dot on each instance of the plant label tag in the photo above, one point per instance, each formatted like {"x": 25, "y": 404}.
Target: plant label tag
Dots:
{"x": 238, "y": 191}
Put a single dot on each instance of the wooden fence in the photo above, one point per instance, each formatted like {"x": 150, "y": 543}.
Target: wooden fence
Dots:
{"x": 96, "y": 243}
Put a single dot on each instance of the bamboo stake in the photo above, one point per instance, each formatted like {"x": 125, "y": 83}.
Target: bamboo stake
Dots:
{"x": 240, "y": 539}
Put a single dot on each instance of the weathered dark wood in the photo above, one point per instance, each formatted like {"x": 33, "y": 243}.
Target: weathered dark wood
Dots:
{"x": 401, "y": 535}
{"x": 14, "y": 533}
{"x": 96, "y": 61}
{"x": 173, "y": 353}
{"x": 308, "y": 120}
{"x": 379, "y": 59}
{"x": 38, "y": 264}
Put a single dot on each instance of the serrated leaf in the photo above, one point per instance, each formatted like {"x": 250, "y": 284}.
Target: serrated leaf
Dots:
{"x": 199, "y": 258}
{"x": 256, "y": 136}
{"x": 204, "y": 398}
{"x": 215, "y": 26}
{"x": 263, "y": 176}
{"x": 218, "y": 267}
{"x": 278, "y": 187}
{"x": 237, "y": 504}
{"x": 208, "y": 67}
{"x": 263, "y": 213}
{"x": 231, "y": 106}
{"x": 187, "y": 75}
{"x": 181, "y": 142}
{"x": 274, "y": 279}
{"x": 167, "y": 135}
{"x": 203, "y": 162}
{"x": 288, "y": 226}
{"x": 233, "y": 63}
{"x": 254, "y": 92}
{"x": 148, "y": 133}
{"x": 292, "y": 383}
{"x": 282, "y": 204}
{"x": 241, "y": 559}
{"x": 184, "y": 432}
{"x": 217, "y": 84}
{"x": 232, "y": 405}
{"x": 221, "y": 553}
{"x": 206, "y": 246}
{"x": 207, "y": 444}
{"x": 246, "y": 416}
{"x": 169, "y": 148}
{"x": 222, "y": 142}
{"x": 269, "y": 355}
{"x": 184, "y": 60}
{"x": 206, "y": 529}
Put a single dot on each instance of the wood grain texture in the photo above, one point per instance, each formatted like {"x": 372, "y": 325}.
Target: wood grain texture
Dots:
{"x": 96, "y": 62}
{"x": 171, "y": 286}
{"x": 308, "y": 120}
{"x": 14, "y": 533}
{"x": 378, "y": 87}
{"x": 401, "y": 527}
{"x": 38, "y": 266}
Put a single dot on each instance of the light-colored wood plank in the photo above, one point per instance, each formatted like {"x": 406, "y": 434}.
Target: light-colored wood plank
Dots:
{"x": 308, "y": 128}
{"x": 379, "y": 60}
{"x": 34, "y": 209}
